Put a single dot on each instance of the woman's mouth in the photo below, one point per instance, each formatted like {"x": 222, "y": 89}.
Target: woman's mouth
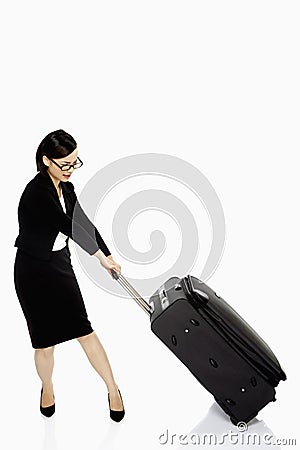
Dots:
{"x": 66, "y": 176}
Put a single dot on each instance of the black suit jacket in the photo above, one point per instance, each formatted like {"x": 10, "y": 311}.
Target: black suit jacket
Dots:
{"x": 41, "y": 217}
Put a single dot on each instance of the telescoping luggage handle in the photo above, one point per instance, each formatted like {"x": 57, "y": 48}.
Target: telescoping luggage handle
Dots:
{"x": 134, "y": 294}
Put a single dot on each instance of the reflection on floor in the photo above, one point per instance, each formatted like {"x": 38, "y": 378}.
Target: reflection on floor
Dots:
{"x": 216, "y": 430}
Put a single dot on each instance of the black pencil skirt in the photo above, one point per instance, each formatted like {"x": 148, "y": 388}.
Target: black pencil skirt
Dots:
{"x": 50, "y": 298}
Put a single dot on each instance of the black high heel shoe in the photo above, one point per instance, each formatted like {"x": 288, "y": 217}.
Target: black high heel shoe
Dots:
{"x": 47, "y": 411}
{"x": 116, "y": 415}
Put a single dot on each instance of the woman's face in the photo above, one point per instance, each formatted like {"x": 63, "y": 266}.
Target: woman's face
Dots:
{"x": 55, "y": 172}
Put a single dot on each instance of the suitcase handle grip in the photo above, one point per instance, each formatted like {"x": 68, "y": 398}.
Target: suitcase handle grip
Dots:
{"x": 134, "y": 294}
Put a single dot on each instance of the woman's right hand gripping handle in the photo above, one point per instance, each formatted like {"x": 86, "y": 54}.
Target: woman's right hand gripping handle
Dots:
{"x": 108, "y": 262}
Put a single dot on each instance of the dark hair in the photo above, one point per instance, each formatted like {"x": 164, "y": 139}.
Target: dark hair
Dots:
{"x": 56, "y": 144}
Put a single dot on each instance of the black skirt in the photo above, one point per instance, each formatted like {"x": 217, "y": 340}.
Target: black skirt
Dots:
{"x": 50, "y": 298}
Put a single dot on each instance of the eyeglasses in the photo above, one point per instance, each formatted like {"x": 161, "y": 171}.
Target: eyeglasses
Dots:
{"x": 65, "y": 167}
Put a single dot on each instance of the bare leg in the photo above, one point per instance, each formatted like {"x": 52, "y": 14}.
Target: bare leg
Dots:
{"x": 98, "y": 358}
{"x": 44, "y": 362}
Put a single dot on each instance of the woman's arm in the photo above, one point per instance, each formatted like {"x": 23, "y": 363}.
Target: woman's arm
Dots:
{"x": 80, "y": 216}
{"x": 42, "y": 210}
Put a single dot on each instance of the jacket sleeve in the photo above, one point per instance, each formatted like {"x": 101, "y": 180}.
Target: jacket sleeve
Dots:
{"x": 45, "y": 212}
{"x": 80, "y": 217}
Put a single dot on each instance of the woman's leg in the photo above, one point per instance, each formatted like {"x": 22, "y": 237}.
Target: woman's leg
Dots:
{"x": 98, "y": 358}
{"x": 44, "y": 362}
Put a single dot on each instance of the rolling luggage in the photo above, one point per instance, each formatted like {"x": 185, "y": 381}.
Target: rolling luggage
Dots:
{"x": 214, "y": 342}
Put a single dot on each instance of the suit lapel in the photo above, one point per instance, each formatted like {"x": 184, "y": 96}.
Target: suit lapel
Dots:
{"x": 45, "y": 181}
{"x": 68, "y": 198}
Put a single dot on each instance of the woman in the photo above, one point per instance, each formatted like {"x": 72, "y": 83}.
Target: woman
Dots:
{"x": 45, "y": 282}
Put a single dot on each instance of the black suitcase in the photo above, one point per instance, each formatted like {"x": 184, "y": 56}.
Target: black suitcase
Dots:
{"x": 214, "y": 342}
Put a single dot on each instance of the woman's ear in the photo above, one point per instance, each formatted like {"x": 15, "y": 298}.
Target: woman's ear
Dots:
{"x": 45, "y": 160}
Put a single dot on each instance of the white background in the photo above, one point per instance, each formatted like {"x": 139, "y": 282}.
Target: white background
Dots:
{"x": 215, "y": 83}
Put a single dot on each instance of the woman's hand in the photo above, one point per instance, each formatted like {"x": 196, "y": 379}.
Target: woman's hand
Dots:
{"x": 108, "y": 262}
{"x": 114, "y": 265}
